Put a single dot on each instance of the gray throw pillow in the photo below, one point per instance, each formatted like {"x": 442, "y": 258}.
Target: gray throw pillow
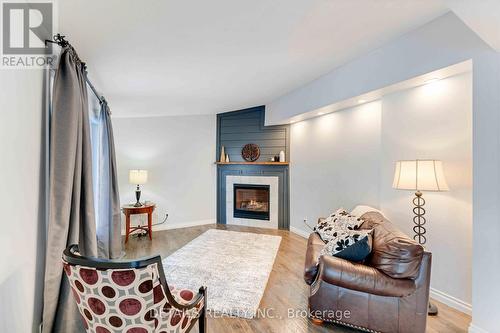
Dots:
{"x": 352, "y": 245}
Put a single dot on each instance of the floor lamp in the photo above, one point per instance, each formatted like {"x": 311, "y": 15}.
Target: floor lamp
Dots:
{"x": 420, "y": 175}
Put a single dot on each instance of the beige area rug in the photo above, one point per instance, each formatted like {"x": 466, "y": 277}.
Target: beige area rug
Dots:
{"x": 235, "y": 267}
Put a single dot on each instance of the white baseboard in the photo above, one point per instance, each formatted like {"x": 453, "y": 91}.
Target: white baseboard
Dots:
{"x": 451, "y": 301}
{"x": 300, "y": 232}
{"x": 170, "y": 226}
{"x": 474, "y": 329}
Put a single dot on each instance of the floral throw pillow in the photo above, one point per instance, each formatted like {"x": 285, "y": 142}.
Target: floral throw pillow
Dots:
{"x": 324, "y": 228}
{"x": 339, "y": 221}
{"x": 352, "y": 245}
{"x": 345, "y": 219}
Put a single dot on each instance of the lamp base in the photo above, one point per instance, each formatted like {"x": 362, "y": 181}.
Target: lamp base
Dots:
{"x": 138, "y": 197}
{"x": 419, "y": 236}
{"x": 419, "y": 218}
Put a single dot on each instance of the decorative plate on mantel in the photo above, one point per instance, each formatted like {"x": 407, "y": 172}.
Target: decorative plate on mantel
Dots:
{"x": 250, "y": 152}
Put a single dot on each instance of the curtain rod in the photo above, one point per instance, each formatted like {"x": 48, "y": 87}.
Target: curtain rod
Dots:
{"x": 62, "y": 42}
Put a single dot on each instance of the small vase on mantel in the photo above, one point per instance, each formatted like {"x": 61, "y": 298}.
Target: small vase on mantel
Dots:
{"x": 227, "y": 158}
{"x": 222, "y": 157}
{"x": 282, "y": 156}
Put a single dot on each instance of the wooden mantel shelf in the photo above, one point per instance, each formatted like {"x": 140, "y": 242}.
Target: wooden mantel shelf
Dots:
{"x": 253, "y": 163}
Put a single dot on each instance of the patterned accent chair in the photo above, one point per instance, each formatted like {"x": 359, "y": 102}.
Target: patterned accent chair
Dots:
{"x": 131, "y": 296}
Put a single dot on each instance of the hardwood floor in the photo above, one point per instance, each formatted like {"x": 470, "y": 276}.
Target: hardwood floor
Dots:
{"x": 285, "y": 289}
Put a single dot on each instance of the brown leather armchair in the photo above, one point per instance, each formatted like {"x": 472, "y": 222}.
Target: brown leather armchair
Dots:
{"x": 389, "y": 292}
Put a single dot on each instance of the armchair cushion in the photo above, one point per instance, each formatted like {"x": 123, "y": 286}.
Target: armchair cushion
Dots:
{"x": 342, "y": 273}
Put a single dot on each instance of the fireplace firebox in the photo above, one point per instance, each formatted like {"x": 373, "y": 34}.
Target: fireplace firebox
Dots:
{"x": 251, "y": 201}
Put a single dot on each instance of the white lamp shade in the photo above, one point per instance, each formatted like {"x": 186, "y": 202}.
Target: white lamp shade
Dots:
{"x": 420, "y": 175}
{"x": 138, "y": 177}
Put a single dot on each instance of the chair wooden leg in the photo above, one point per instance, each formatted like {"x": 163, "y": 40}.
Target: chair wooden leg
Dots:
{"x": 202, "y": 320}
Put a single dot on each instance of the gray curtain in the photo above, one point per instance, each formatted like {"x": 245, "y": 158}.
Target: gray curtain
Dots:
{"x": 106, "y": 195}
{"x": 114, "y": 228}
{"x": 71, "y": 202}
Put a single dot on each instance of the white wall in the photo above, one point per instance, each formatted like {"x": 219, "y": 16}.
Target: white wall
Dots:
{"x": 486, "y": 193}
{"x": 335, "y": 162}
{"x": 21, "y": 200}
{"x": 347, "y": 158}
{"x": 179, "y": 154}
{"x": 438, "y": 44}
{"x": 434, "y": 121}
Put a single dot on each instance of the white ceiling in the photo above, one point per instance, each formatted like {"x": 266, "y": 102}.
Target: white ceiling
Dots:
{"x": 153, "y": 58}
{"x": 481, "y": 16}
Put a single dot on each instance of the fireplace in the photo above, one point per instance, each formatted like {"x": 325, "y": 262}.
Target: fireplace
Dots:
{"x": 251, "y": 201}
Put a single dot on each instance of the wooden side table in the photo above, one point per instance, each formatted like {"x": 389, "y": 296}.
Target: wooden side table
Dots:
{"x": 131, "y": 210}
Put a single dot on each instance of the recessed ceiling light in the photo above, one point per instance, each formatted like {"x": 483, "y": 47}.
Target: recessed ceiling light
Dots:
{"x": 434, "y": 79}
{"x": 361, "y": 101}
{"x": 320, "y": 113}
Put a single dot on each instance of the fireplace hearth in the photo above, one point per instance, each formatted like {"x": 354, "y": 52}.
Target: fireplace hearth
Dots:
{"x": 251, "y": 201}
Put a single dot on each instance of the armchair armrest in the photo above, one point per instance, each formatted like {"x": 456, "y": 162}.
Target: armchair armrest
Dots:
{"x": 343, "y": 273}
{"x": 314, "y": 246}
{"x": 200, "y": 297}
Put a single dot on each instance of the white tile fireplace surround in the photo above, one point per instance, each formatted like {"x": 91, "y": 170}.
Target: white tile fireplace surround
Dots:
{"x": 272, "y": 182}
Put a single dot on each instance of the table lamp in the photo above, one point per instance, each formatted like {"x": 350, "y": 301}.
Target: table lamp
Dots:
{"x": 420, "y": 175}
{"x": 138, "y": 177}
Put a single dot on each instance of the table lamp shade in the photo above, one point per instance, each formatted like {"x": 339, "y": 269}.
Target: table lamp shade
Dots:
{"x": 138, "y": 177}
{"x": 420, "y": 175}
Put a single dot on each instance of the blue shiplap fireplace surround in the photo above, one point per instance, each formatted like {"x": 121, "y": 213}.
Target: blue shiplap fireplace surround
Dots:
{"x": 234, "y": 130}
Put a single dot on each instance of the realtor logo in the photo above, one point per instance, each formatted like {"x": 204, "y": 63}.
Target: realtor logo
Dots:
{"x": 25, "y": 27}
